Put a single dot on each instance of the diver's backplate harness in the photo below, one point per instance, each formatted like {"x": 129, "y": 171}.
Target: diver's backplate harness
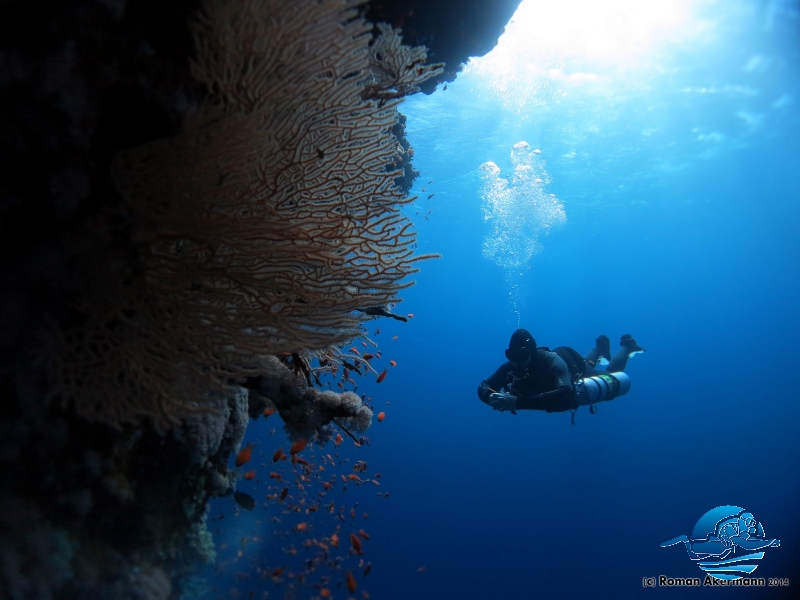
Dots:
{"x": 588, "y": 390}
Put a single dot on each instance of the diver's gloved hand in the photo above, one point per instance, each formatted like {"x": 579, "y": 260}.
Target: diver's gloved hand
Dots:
{"x": 502, "y": 401}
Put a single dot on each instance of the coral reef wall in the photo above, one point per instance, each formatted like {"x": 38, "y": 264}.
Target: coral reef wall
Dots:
{"x": 159, "y": 270}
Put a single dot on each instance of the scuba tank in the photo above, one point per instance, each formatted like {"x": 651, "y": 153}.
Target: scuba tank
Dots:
{"x": 601, "y": 387}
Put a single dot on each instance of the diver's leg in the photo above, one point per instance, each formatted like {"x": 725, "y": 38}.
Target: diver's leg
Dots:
{"x": 602, "y": 348}
{"x": 619, "y": 362}
{"x": 628, "y": 347}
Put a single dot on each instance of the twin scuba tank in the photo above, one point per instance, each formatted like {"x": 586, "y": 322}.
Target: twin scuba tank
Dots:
{"x": 601, "y": 387}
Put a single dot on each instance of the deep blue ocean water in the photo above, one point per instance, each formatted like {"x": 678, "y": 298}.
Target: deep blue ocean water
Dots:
{"x": 678, "y": 177}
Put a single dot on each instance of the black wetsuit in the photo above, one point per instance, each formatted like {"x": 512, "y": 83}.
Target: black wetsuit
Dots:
{"x": 544, "y": 384}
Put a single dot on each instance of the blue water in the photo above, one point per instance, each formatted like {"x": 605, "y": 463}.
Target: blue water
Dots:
{"x": 680, "y": 188}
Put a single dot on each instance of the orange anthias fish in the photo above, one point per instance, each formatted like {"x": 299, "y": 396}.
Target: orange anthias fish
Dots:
{"x": 339, "y": 439}
{"x": 382, "y": 376}
{"x": 269, "y": 411}
{"x": 355, "y": 350}
{"x": 368, "y": 356}
{"x": 381, "y": 416}
{"x": 279, "y": 455}
{"x": 410, "y": 315}
{"x": 393, "y": 363}
{"x": 298, "y": 446}
{"x": 334, "y": 540}
{"x": 245, "y": 455}
{"x": 250, "y": 475}
{"x": 351, "y": 582}
{"x": 356, "y": 544}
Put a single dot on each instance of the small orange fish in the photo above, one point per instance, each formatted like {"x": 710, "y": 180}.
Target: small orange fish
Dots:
{"x": 353, "y": 477}
{"x": 381, "y": 416}
{"x": 364, "y": 344}
{"x": 339, "y": 439}
{"x": 279, "y": 455}
{"x": 301, "y": 527}
{"x": 340, "y": 384}
{"x": 394, "y": 338}
{"x": 326, "y": 485}
{"x": 277, "y": 572}
{"x": 355, "y": 350}
{"x": 334, "y": 540}
{"x": 381, "y": 377}
{"x": 351, "y": 582}
{"x": 393, "y": 363}
{"x": 250, "y": 475}
{"x": 368, "y": 356}
{"x": 356, "y": 543}
{"x": 274, "y": 475}
{"x": 284, "y": 493}
{"x": 298, "y": 446}
{"x": 269, "y": 411}
{"x": 410, "y": 315}
{"x": 324, "y": 593}
{"x": 245, "y": 455}
{"x": 363, "y": 534}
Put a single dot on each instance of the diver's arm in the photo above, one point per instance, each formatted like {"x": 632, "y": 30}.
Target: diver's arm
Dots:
{"x": 494, "y": 383}
{"x": 560, "y": 399}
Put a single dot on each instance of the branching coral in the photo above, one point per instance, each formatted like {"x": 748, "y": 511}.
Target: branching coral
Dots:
{"x": 265, "y": 224}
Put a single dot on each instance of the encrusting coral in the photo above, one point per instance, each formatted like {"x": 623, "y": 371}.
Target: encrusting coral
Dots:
{"x": 305, "y": 409}
{"x": 265, "y": 225}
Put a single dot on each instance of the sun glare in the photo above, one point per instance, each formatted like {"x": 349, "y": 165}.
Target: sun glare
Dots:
{"x": 611, "y": 32}
{"x": 549, "y": 47}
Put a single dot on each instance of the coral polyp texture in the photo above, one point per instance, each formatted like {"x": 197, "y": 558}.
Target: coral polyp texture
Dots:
{"x": 264, "y": 225}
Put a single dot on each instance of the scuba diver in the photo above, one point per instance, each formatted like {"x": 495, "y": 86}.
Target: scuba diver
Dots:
{"x": 557, "y": 380}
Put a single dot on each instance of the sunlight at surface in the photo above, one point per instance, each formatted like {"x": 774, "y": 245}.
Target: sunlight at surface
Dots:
{"x": 616, "y": 31}
{"x": 550, "y": 47}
